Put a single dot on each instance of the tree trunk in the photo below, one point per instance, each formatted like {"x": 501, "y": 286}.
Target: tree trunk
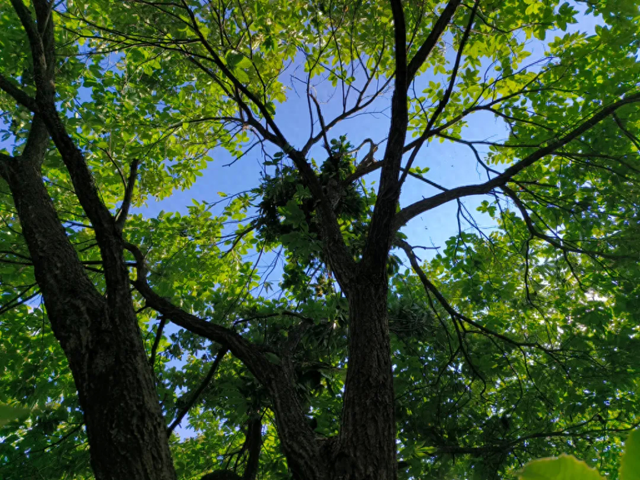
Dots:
{"x": 368, "y": 438}
{"x": 98, "y": 333}
{"x": 101, "y": 339}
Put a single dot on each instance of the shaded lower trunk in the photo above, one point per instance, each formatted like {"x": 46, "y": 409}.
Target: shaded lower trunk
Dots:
{"x": 368, "y": 437}
{"x": 101, "y": 339}
{"x": 298, "y": 441}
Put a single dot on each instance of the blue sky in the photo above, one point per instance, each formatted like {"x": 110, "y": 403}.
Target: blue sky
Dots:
{"x": 450, "y": 164}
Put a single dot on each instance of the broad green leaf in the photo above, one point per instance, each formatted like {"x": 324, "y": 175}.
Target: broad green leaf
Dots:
{"x": 564, "y": 467}
{"x": 9, "y": 414}
{"x": 273, "y": 358}
{"x": 630, "y": 464}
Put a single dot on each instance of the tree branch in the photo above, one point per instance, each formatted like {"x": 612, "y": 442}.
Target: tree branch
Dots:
{"x": 432, "y": 40}
{"x": 253, "y": 443}
{"x": 505, "y": 447}
{"x": 422, "y": 206}
{"x": 245, "y": 351}
{"x": 627, "y": 133}
{"x": 430, "y": 287}
{"x": 442, "y": 104}
{"x": 128, "y": 194}
{"x": 376, "y": 250}
{"x": 234, "y": 80}
{"x": 297, "y": 438}
{"x": 193, "y": 396}
{"x": 17, "y": 94}
{"x": 323, "y": 127}
{"x": 558, "y": 243}
{"x": 156, "y": 342}
{"x": 40, "y": 37}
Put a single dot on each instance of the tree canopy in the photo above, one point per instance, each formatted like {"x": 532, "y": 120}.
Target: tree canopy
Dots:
{"x": 306, "y": 327}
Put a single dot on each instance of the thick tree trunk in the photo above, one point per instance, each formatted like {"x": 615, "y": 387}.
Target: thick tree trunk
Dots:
{"x": 101, "y": 339}
{"x": 98, "y": 333}
{"x": 368, "y": 438}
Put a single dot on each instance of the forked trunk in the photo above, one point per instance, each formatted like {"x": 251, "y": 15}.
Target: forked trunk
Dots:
{"x": 101, "y": 340}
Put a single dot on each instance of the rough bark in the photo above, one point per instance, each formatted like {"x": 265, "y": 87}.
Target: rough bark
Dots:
{"x": 100, "y": 339}
{"x": 98, "y": 333}
{"x": 367, "y": 443}
{"x": 254, "y": 446}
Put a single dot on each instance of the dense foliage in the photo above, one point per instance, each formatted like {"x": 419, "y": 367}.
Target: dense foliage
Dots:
{"x": 514, "y": 339}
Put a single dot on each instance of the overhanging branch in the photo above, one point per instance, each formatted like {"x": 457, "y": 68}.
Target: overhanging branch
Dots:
{"x": 431, "y": 288}
{"x": 298, "y": 440}
{"x": 17, "y": 94}
{"x": 430, "y": 203}
{"x": 508, "y": 446}
{"x": 128, "y": 195}
{"x": 248, "y": 353}
{"x": 558, "y": 243}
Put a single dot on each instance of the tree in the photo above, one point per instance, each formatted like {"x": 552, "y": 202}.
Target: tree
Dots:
{"x": 165, "y": 82}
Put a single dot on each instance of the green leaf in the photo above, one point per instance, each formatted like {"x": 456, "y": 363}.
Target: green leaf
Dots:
{"x": 273, "y": 358}
{"x": 630, "y": 464}
{"x": 564, "y": 467}
{"x": 9, "y": 414}
{"x": 238, "y": 60}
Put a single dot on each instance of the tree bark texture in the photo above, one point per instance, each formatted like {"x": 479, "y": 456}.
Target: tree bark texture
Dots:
{"x": 98, "y": 332}
{"x": 101, "y": 339}
{"x": 367, "y": 441}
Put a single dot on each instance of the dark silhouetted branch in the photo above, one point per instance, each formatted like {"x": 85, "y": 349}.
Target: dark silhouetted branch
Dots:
{"x": 192, "y": 397}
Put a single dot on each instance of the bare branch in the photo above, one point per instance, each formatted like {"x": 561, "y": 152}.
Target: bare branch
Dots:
{"x": 323, "y": 127}
{"x": 432, "y": 40}
{"x": 156, "y": 343}
{"x": 628, "y": 134}
{"x": 128, "y": 194}
{"x": 559, "y": 243}
{"x": 195, "y": 395}
{"x": 447, "y": 94}
{"x": 422, "y": 206}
